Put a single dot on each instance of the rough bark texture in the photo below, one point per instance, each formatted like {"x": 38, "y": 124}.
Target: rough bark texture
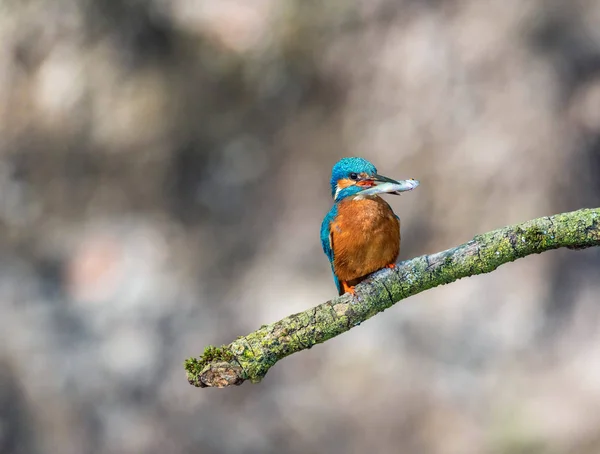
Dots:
{"x": 251, "y": 356}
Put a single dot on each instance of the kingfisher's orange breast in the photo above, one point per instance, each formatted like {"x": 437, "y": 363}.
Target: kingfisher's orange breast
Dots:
{"x": 365, "y": 237}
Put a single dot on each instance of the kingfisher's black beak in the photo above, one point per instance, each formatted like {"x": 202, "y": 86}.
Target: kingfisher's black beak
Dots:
{"x": 379, "y": 179}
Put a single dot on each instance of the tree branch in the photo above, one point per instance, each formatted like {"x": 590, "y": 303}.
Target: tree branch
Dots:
{"x": 251, "y": 356}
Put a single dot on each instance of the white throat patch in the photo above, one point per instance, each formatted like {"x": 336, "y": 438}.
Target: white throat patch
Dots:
{"x": 337, "y": 191}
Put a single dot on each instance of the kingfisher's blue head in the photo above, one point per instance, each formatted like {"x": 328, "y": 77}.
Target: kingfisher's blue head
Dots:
{"x": 353, "y": 176}
{"x": 346, "y": 171}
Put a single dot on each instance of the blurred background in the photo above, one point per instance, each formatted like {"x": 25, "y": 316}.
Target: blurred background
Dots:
{"x": 164, "y": 171}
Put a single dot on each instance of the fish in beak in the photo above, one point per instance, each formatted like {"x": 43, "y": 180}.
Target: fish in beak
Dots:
{"x": 378, "y": 184}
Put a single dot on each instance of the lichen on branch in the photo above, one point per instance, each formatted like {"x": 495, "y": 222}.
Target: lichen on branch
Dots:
{"x": 250, "y": 357}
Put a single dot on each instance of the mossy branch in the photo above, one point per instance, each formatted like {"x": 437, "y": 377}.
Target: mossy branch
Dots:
{"x": 251, "y": 356}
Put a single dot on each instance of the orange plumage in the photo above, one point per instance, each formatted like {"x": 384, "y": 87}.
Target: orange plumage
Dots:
{"x": 365, "y": 237}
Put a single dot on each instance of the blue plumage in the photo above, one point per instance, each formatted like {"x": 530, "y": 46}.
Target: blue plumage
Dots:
{"x": 326, "y": 240}
{"x": 347, "y": 192}
{"x": 345, "y": 167}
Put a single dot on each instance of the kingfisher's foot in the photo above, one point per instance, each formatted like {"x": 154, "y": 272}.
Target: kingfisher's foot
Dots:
{"x": 348, "y": 288}
{"x": 391, "y": 266}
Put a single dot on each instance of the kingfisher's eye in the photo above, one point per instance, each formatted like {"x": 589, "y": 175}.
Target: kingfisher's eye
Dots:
{"x": 353, "y": 176}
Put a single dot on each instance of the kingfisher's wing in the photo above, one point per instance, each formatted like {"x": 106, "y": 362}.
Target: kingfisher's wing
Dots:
{"x": 327, "y": 241}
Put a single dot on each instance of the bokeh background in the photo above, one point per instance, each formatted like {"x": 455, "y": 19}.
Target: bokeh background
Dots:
{"x": 164, "y": 170}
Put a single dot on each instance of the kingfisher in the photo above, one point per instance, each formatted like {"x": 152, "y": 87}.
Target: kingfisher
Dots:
{"x": 361, "y": 232}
